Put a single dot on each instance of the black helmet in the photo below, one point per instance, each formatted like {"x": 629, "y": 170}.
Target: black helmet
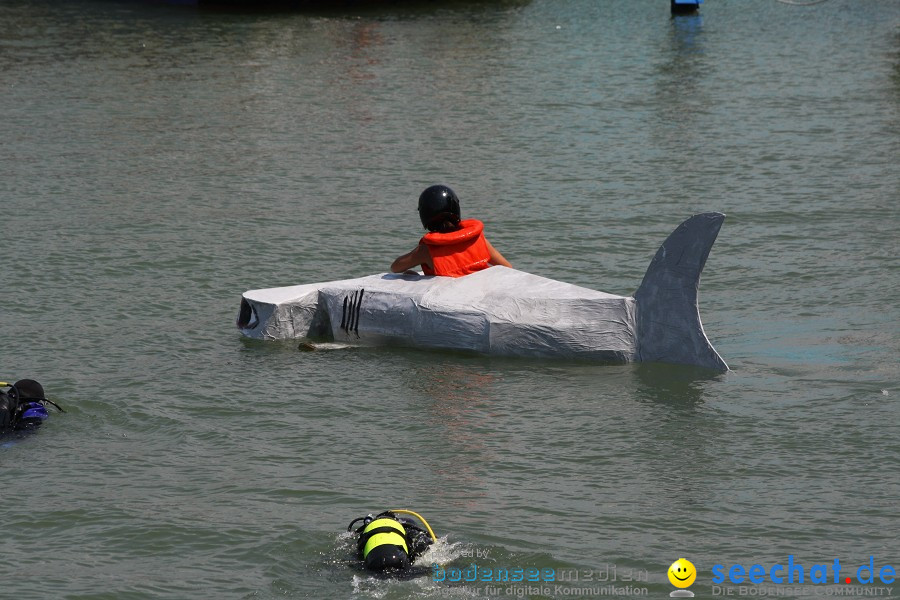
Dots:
{"x": 437, "y": 205}
{"x": 27, "y": 389}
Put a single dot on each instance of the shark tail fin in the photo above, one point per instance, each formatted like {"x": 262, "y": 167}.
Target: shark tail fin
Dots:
{"x": 668, "y": 315}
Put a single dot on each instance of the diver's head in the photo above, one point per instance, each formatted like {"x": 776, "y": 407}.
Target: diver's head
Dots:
{"x": 29, "y": 395}
{"x": 382, "y": 543}
{"x": 27, "y": 389}
{"x": 439, "y": 209}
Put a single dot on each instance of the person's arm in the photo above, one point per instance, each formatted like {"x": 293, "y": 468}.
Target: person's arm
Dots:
{"x": 496, "y": 257}
{"x": 419, "y": 256}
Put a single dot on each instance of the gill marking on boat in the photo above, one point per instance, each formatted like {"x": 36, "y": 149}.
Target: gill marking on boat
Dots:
{"x": 351, "y": 310}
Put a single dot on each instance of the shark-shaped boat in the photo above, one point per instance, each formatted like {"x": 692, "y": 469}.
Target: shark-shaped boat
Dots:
{"x": 503, "y": 311}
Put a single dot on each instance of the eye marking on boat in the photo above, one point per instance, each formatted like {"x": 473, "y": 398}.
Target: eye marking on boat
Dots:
{"x": 351, "y": 310}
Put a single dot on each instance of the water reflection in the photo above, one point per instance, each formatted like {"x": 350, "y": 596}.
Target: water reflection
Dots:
{"x": 896, "y": 72}
{"x": 677, "y": 386}
{"x": 687, "y": 33}
{"x": 679, "y": 436}
{"x": 456, "y": 413}
{"x": 680, "y": 96}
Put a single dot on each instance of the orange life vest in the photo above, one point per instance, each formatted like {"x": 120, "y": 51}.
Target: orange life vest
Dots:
{"x": 459, "y": 252}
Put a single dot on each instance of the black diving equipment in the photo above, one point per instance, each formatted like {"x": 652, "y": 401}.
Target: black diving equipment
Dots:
{"x": 387, "y": 542}
{"x": 23, "y": 406}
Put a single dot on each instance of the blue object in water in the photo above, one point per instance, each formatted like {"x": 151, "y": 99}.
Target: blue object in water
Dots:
{"x": 685, "y": 7}
{"x": 34, "y": 414}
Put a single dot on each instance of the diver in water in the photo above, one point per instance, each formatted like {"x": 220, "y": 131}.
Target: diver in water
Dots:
{"x": 388, "y": 543}
{"x": 23, "y": 405}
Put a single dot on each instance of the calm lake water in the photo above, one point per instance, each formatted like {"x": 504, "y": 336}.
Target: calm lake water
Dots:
{"x": 157, "y": 161}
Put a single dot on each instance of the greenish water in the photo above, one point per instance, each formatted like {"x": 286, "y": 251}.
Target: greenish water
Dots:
{"x": 155, "y": 162}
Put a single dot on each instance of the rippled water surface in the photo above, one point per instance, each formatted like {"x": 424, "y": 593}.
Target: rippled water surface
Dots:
{"x": 157, "y": 161}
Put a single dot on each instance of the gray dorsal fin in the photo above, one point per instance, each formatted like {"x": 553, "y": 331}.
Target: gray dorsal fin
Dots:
{"x": 668, "y": 316}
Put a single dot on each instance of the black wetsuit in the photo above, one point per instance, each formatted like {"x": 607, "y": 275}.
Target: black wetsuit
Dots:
{"x": 417, "y": 538}
{"x": 8, "y": 409}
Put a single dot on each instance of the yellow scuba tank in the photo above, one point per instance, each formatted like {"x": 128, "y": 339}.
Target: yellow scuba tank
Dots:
{"x": 387, "y": 542}
{"x": 383, "y": 545}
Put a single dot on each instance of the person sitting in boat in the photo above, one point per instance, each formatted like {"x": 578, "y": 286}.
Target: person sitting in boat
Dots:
{"x": 452, "y": 247}
{"x": 23, "y": 406}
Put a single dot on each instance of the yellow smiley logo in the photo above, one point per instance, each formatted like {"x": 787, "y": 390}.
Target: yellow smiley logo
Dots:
{"x": 682, "y": 573}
